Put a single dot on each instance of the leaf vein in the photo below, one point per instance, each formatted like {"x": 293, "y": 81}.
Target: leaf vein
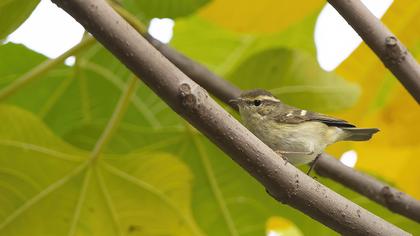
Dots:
{"x": 41, "y": 195}
{"x": 215, "y": 186}
{"x": 39, "y": 149}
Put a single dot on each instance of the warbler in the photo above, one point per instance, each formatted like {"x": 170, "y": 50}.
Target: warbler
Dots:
{"x": 297, "y": 135}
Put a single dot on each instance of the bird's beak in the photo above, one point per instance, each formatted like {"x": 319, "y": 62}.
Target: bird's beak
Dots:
{"x": 235, "y": 101}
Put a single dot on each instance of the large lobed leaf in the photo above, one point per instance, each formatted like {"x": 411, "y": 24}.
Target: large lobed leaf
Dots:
{"x": 51, "y": 188}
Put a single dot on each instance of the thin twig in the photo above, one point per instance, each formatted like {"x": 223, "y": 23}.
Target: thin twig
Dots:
{"x": 383, "y": 42}
{"x": 283, "y": 181}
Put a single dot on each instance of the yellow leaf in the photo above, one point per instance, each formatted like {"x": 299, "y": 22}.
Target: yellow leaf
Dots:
{"x": 264, "y": 16}
{"x": 281, "y": 226}
{"x": 399, "y": 165}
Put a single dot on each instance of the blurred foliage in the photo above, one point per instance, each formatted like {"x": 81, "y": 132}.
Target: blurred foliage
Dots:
{"x": 146, "y": 9}
{"x": 283, "y": 62}
{"x": 299, "y": 80}
{"x": 264, "y": 16}
{"x": 13, "y": 13}
{"x": 157, "y": 175}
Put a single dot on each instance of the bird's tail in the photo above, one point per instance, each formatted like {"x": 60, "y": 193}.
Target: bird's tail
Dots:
{"x": 358, "y": 134}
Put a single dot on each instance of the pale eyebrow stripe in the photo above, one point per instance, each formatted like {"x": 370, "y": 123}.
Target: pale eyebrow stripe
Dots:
{"x": 262, "y": 98}
{"x": 267, "y": 98}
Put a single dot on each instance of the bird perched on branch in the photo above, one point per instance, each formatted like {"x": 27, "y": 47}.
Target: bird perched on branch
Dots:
{"x": 297, "y": 135}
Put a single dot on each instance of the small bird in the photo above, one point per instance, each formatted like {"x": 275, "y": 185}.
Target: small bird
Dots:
{"x": 297, "y": 135}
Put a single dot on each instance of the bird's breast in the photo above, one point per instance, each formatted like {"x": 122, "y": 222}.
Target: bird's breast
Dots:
{"x": 304, "y": 141}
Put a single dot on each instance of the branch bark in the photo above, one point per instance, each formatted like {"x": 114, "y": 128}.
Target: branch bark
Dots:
{"x": 386, "y": 46}
{"x": 285, "y": 183}
{"x": 381, "y": 193}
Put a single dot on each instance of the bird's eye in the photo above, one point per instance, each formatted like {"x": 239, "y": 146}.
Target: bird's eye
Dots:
{"x": 257, "y": 102}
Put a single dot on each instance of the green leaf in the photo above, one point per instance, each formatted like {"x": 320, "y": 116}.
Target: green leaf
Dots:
{"x": 222, "y": 50}
{"x": 13, "y": 13}
{"x": 89, "y": 90}
{"x": 296, "y": 79}
{"x": 51, "y": 188}
{"x": 45, "y": 92}
{"x": 147, "y": 9}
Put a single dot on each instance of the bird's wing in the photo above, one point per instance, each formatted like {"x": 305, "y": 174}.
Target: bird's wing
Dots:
{"x": 296, "y": 116}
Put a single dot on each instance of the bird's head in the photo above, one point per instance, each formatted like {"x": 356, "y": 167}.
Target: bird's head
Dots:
{"x": 257, "y": 101}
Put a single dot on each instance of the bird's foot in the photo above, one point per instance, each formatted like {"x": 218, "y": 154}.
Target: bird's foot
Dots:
{"x": 281, "y": 154}
{"x": 313, "y": 165}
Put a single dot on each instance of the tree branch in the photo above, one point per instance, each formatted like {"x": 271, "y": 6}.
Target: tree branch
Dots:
{"x": 395, "y": 201}
{"x": 327, "y": 166}
{"x": 386, "y": 46}
{"x": 286, "y": 183}
{"x": 403, "y": 204}
{"x": 217, "y": 86}
{"x": 379, "y": 192}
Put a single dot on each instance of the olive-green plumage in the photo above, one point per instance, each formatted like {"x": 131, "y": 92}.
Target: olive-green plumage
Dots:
{"x": 298, "y": 135}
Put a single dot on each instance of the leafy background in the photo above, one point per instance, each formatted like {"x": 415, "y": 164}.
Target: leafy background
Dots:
{"x": 90, "y": 150}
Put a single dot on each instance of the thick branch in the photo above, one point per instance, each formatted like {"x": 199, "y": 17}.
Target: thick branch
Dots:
{"x": 385, "y": 44}
{"x": 395, "y": 200}
{"x": 286, "y": 183}
{"x": 381, "y": 193}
